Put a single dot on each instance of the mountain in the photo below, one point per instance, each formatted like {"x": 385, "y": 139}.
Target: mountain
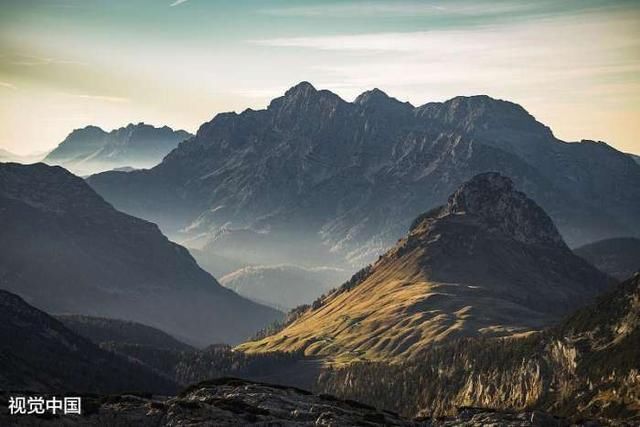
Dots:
{"x": 283, "y": 286}
{"x": 103, "y": 330}
{"x": 91, "y": 149}
{"x": 38, "y": 353}
{"x": 65, "y": 250}
{"x": 584, "y": 368}
{"x": 233, "y": 402}
{"x": 635, "y": 158}
{"x": 490, "y": 262}
{"x": 618, "y": 257}
{"x": 315, "y": 180}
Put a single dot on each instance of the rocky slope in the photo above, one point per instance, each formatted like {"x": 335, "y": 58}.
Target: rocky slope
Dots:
{"x": 315, "y": 178}
{"x": 65, "y": 250}
{"x": 490, "y": 262}
{"x": 38, "y": 353}
{"x": 283, "y": 286}
{"x": 91, "y": 149}
{"x": 232, "y": 402}
{"x": 585, "y": 368}
{"x": 618, "y": 257}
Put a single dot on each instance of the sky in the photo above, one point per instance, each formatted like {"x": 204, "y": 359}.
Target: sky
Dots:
{"x": 65, "y": 64}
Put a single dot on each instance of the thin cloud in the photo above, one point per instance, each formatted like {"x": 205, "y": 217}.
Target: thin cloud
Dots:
{"x": 104, "y": 98}
{"x": 8, "y": 85}
{"x": 178, "y": 3}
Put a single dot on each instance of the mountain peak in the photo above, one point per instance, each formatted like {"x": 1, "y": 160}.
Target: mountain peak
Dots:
{"x": 303, "y": 88}
{"x": 492, "y": 199}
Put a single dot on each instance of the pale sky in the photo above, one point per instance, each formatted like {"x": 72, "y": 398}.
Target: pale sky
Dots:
{"x": 64, "y": 64}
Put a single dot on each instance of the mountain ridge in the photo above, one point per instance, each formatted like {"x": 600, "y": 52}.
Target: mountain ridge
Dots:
{"x": 343, "y": 180}
{"x": 92, "y": 149}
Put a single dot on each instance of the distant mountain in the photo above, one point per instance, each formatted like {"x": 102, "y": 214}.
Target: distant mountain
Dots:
{"x": 283, "y": 286}
{"x": 490, "y": 262}
{"x": 102, "y": 330}
{"x": 585, "y": 368}
{"x": 39, "y": 354}
{"x": 316, "y": 180}
{"x": 65, "y": 250}
{"x": 91, "y": 149}
{"x": 618, "y": 257}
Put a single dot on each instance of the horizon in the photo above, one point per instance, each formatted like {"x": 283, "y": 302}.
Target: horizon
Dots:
{"x": 67, "y": 64}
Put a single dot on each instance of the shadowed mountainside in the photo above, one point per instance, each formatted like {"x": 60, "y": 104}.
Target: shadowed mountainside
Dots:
{"x": 618, "y": 257}
{"x": 65, "y": 250}
{"x": 38, "y": 353}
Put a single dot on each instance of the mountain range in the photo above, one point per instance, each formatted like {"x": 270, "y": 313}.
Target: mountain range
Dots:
{"x": 91, "y": 149}
{"x": 315, "y": 180}
{"x": 489, "y": 262}
{"x": 66, "y": 251}
{"x": 618, "y": 257}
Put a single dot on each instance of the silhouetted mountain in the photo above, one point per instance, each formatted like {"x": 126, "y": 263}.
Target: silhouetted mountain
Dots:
{"x": 39, "y": 354}
{"x": 91, "y": 149}
{"x": 490, "y": 262}
{"x": 618, "y": 257}
{"x": 635, "y": 158}
{"x": 283, "y": 286}
{"x": 65, "y": 250}
{"x": 314, "y": 178}
{"x": 103, "y": 330}
{"x": 587, "y": 367}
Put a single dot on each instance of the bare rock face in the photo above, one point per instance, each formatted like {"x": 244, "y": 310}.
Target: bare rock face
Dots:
{"x": 493, "y": 199}
{"x": 233, "y": 402}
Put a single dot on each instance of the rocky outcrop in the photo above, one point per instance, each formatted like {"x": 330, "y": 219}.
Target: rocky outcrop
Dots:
{"x": 490, "y": 262}
{"x": 65, "y": 250}
{"x": 232, "y": 402}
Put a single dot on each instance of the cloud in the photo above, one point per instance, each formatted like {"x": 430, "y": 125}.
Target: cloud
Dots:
{"x": 8, "y": 85}
{"x": 104, "y": 98}
{"x": 35, "y": 61}
{"x": 178, "y": 3}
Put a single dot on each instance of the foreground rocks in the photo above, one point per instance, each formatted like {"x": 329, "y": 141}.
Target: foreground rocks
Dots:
{"x": 232, "y": 402}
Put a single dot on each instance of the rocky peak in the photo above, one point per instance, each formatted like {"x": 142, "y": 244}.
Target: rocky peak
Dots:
{"x": 302, "y": 100}
{"x": 491, "y": 199}
{"x": 376, "y": 99}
